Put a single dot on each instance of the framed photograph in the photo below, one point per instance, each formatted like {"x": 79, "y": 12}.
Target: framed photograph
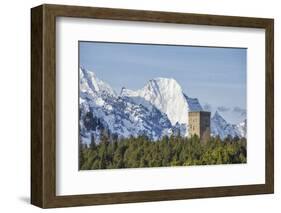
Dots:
{"x": 136, "y": 106}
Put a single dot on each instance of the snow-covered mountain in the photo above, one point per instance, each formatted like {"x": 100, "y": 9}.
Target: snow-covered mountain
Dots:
{"x": 167, "y": 96}
{"x": 220, "y": 127}
{"x": 91, "y": 85}
{"x": 241, "y": 128}
{"x": 102, "y": 109}
{"x": 159, "y": 108}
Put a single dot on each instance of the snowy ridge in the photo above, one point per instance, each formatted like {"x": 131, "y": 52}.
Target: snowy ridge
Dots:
{"x": 166, "y": 95}
{"x": 219, "y": 127}
{"x": 241, "y": 129}
{"x": 101, "y": 109}
{"x": 193, "y": 104}
{"x": 91, "y": 84}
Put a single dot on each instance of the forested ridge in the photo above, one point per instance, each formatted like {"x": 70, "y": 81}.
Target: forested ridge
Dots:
{"x": 138, "y": 152}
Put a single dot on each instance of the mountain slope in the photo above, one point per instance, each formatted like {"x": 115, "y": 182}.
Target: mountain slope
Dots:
{"x": 241, "y": 128}
{"x": 193, "y": 104}
{"x": 220, "y": 127}
{"x": 101, "y": 108}
{"x": 167, "y": 96}
{"x": 91, "y": 84}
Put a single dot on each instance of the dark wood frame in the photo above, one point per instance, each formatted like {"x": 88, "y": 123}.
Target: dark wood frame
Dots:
{"x": 43, "y": 105}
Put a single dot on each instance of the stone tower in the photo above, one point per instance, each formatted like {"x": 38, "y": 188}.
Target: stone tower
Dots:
{"x": 199, "y": 124}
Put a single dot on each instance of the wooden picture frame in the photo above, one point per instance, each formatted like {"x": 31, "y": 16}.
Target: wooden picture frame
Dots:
{"x": 43, "y": 105}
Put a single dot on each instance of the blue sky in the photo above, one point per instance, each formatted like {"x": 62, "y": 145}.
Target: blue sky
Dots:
{"x": 216, "y": 76}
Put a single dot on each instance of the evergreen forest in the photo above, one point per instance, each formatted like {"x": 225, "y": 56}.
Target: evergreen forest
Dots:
{"x": 112, "y": 152}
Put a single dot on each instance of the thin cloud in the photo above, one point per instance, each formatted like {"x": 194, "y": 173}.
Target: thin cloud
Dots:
{"x": 207, "y": 107}
{"x": 223, "y": 109}
{"x": 240, "y": 111}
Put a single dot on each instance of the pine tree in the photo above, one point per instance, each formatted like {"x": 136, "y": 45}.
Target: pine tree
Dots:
{"x": 81, "y": 155}
{"x": 93, "y": 145}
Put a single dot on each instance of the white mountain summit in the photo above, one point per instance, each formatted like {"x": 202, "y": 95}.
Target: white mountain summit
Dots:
{"x": 166, "y": 95}
{"x": 91, "y": 84}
